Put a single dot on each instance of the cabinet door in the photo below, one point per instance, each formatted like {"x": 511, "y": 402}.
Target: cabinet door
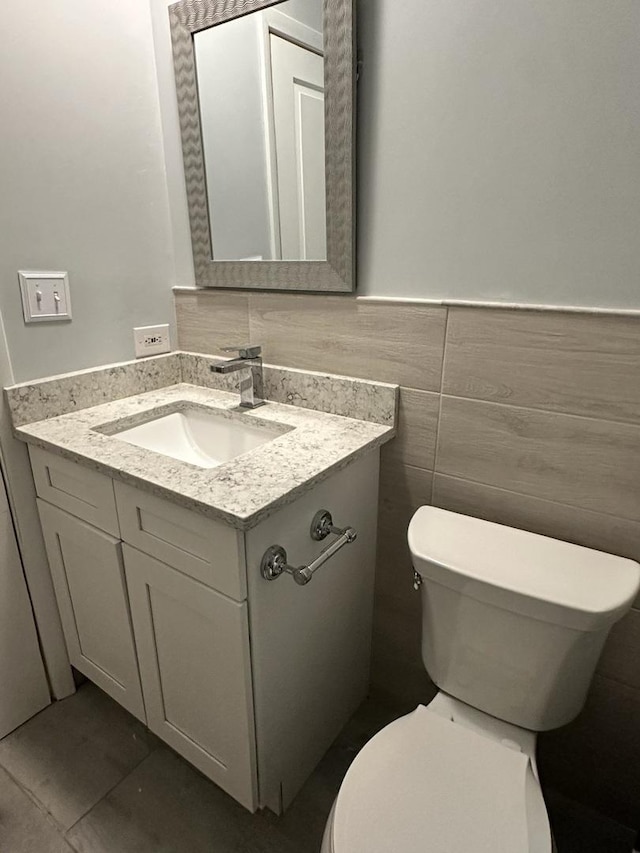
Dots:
{"x": 88, "y": 577}
{"x": 193, "y": 648}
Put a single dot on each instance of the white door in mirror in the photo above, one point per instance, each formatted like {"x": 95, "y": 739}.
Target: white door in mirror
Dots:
{"x": 298, "y": 119}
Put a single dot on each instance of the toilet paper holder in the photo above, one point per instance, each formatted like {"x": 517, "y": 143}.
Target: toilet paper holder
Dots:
{"x": 275, "y": 561}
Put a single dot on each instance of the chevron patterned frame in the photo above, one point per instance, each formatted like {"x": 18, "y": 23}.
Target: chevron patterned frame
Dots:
{"x": 337, "y": 273}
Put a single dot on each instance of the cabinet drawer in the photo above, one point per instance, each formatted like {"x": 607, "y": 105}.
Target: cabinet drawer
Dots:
{"x": 206, "y": 550}
{"x": 193, "y": 649}
{"x": 89, "y": 581}
{"x": 83, "y": 492}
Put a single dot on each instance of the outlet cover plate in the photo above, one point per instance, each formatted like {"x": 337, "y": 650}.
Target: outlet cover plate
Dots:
{"x": 151, "y": 340}
{"x": 45, "y": 296}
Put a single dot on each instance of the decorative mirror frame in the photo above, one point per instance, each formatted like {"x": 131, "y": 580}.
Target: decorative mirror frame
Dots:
{"x": 337, "y": 273}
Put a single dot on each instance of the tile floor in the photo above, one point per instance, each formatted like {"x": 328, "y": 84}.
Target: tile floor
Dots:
{"x": 85, "y": 776}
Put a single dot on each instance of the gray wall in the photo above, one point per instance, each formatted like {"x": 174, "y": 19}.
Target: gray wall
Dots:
{"x": 497, "y": 150}
{"x": 82, "y": 177}
{"x": 497, "y": 146}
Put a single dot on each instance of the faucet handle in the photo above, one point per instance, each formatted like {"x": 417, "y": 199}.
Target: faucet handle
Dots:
{"x": 244, "y": 350}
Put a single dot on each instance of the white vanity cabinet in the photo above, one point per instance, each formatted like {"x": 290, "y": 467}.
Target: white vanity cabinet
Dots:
{"x": 249, "y": 679}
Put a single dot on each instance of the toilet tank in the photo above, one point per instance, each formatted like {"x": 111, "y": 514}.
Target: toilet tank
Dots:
{"x": 513, "y": 622}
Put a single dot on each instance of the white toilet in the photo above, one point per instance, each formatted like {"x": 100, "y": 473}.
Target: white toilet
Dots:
{"x": 513, "y": 625}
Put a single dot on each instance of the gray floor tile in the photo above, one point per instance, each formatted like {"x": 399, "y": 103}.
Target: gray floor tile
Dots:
{"x": 577, "y": 829}
{"x": 165, "y": 806}
{"x": 86, "y": 757}
{"x": 303, "y": 823}
{"x": 72, "y": 753}
{"x": 24, "y": 828}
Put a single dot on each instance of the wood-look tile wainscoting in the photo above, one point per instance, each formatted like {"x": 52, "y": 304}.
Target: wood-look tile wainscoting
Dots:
{"x": 529, "y": 418}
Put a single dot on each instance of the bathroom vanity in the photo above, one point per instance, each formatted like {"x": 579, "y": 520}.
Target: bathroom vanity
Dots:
{"x": 164, "y": 571}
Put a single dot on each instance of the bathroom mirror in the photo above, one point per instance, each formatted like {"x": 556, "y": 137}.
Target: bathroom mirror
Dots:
{"x": 266, "y": 103}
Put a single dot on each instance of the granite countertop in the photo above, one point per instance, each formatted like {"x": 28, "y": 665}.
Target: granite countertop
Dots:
{"x": 308, "y": 446}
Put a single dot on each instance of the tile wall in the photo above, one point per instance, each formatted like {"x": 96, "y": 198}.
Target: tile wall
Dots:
{"x": 529, "y": 418}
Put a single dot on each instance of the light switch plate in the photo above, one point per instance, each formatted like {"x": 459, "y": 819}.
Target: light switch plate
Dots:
{"x": 151, "y": 340}
{"x": 45, "y": 296}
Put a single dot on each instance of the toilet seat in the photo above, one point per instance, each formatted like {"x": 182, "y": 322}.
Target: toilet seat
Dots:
{"x": 426, "y": 784}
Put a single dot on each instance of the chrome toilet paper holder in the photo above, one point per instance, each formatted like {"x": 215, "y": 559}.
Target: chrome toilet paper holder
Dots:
{"x": 275, "y": 561}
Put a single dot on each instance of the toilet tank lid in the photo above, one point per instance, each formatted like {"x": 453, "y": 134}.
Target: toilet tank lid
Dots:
{"x": 580, "y": 587}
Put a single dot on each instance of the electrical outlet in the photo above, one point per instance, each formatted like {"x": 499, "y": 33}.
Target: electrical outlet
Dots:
{"x": 151, "y": 340}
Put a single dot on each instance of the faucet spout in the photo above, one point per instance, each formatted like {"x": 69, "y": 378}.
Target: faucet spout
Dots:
{"x": 249, "y": 361}
{"x": 231, "y": 365}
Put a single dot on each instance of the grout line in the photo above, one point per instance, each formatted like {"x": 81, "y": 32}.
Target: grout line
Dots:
{"x": 633, "y": 424}
{"x": 408, "y": 387}
{"x": 106, "y": 794}
{"x": 536, "y": 498}
{"x": 418, "y": 468}
{"x": 69, "y": 843}
{"x": 598, "y": 674}
{"x": 437, "y": 439}
{"x": 250, "y": 323}
{"x": 29, "y": 794}
{"x": 444, "y": 348}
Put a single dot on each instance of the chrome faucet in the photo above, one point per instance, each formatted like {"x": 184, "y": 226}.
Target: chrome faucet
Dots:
{"x": 250, "y": 360}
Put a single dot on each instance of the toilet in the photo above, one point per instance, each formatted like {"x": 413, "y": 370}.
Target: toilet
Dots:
{"x": 513, "y": 626}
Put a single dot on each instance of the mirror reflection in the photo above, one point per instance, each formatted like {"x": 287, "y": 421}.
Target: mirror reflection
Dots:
{"x": 261, "y": 93}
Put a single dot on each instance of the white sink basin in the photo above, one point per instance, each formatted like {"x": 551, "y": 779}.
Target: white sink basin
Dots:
{"x": 198, "y": 436}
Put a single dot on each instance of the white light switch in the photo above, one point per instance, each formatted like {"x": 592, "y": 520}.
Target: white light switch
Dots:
{"x": 45, "y": 296}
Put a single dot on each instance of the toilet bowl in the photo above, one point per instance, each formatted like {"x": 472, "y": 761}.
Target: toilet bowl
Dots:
{"x": 437, "y": 781}
{"x": 513, "y": 624}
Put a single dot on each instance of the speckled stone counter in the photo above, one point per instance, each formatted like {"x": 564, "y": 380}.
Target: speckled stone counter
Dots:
{"x": 307, "y": 445}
